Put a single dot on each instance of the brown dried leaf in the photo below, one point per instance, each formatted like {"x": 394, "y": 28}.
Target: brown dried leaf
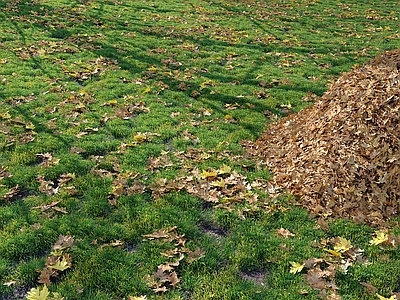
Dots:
{"x": 369, "y": 287}
{"x": 11, "y": 194}
{"x": 315, "y": 278}
{"x": 284, "y": 232}
{"x": 195, "y": 255}
{"x": 63, "y": 242}
{"x": 161, "y": 234}
{"x": 46, "y": 274}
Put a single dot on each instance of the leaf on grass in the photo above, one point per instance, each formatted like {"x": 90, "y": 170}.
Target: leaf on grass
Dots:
{"x": 284, "y": 232}
{"x": 46, "y": 160}
{"x": 315, "y": 278}
{"x": 381, "y": 237}
{"x": 112, "y": 102}
{"x": 162, "y": 289}
{"x": 219, "y": 183}
{"x": 296, "y": 267}
{"x": 342, "y": 245}
{"x": 312, "y": 262}
{"x": 63, "y": 242}
{"x": 4, "y": 173}
{"x": 208, "y": 174}
{"x": 369, "y": 287}
{"x": 46, "y": 274}
{"x": 12, "y": 193}
{"x": 334, "y": 253}
{"x": 46, "y": 186}
{"x": 117, "y": 243}
{"x": 9, "y": 283}
{"x": 393, "y": 297}
{"x": 173, "y": 279}
{"x": 142, "y": 137}
{"x": 6, "y": 115}
{"x": 61, "y": 265}
{"x": 161, "y": 234}
{"x": 37, "y": 294}
{"x": 224, "y": 169}
{"x": 137, "y": 298}
{"x": 195, "y": 255}
{"x": 57, "y": 261}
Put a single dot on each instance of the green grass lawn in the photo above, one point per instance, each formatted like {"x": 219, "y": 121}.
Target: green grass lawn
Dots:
{"x": 122, "y": 174}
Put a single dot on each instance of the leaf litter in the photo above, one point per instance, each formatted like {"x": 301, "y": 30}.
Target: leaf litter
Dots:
{"x": 341, "y": 156}
{"x": 166, "y": 276}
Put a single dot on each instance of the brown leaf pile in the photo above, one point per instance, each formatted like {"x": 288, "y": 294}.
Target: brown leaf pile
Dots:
{"x": 341, "y": 156}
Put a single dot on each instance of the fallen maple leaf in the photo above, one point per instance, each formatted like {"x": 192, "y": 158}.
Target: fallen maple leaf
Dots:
{"x": 37, "y": 294}
{"x": 369, "y": 287}
{"x": 195, "y": 255}
{"x": 63, "y": 242}
{"x": 224, "y": 169}
{"x": 208, "y": 174}
{"x": 342, "y": 245}
{"x": 381, "y": 237}
{"x": 315, "y": 277}
{"x": 61, "y": 265}
{"x": 137, "y": 298}
{"x": 334, "y": 253}
{"x": 284, "y": 232}
{"x": 12, "y": 193}
{"x": 393, "y": 297}
{"x": 9, "y": 283}
{"x": 296, "y": 267}
{"x": 117, "y": 243}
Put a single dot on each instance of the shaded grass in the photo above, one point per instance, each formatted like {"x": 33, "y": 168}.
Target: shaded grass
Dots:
{"x": 81, "y": 80}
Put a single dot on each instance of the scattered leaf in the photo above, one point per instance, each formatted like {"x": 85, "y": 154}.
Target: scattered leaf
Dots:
{"x": 195, "y": 255}
{"x": 381, "y": 237}
{"x": 6, "y": 115}
{"x": 369, "y": 287}
{"x": 296, "y": 267}
{"x": 38, "y": 294}
{"x": 342, "y": 245}
{"x": 284, "y": 232}
{"x": 393, "y": 297}
{"x": 61, "y": 265}
{"x": 9, "y": 283}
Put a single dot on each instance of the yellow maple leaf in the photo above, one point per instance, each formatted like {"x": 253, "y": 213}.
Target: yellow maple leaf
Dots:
{"x": 219, "y": 183}
{"x": 147, "y": 90}
{"x": 41, "y": 52}
{"x": 61, "y": 265}
{"x": 334, "y": 253}
{"x": 140, "y": 137}
{"x": 381, "y": 237}
{"x": 208, "y": 174}
{"x": 5, "y": 115}
{"x": 37, "y": 294}
{"x": 224, "y": 169}
{"x": 30, "y": 126}
{"x": 393, "y": 297}
{"x": 296, "y": 267}
{"x": 137, "y": 298}
{"x": 342, "y": 245}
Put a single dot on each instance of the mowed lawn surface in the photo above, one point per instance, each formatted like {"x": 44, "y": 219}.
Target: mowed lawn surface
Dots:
{"x": 122, "y": 173}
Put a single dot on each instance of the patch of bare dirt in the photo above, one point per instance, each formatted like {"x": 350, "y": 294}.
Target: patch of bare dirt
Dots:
{"x": 341, "y": 156}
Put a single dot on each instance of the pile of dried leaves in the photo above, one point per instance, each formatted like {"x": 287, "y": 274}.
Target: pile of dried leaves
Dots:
{"x": 342, "y": 155}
